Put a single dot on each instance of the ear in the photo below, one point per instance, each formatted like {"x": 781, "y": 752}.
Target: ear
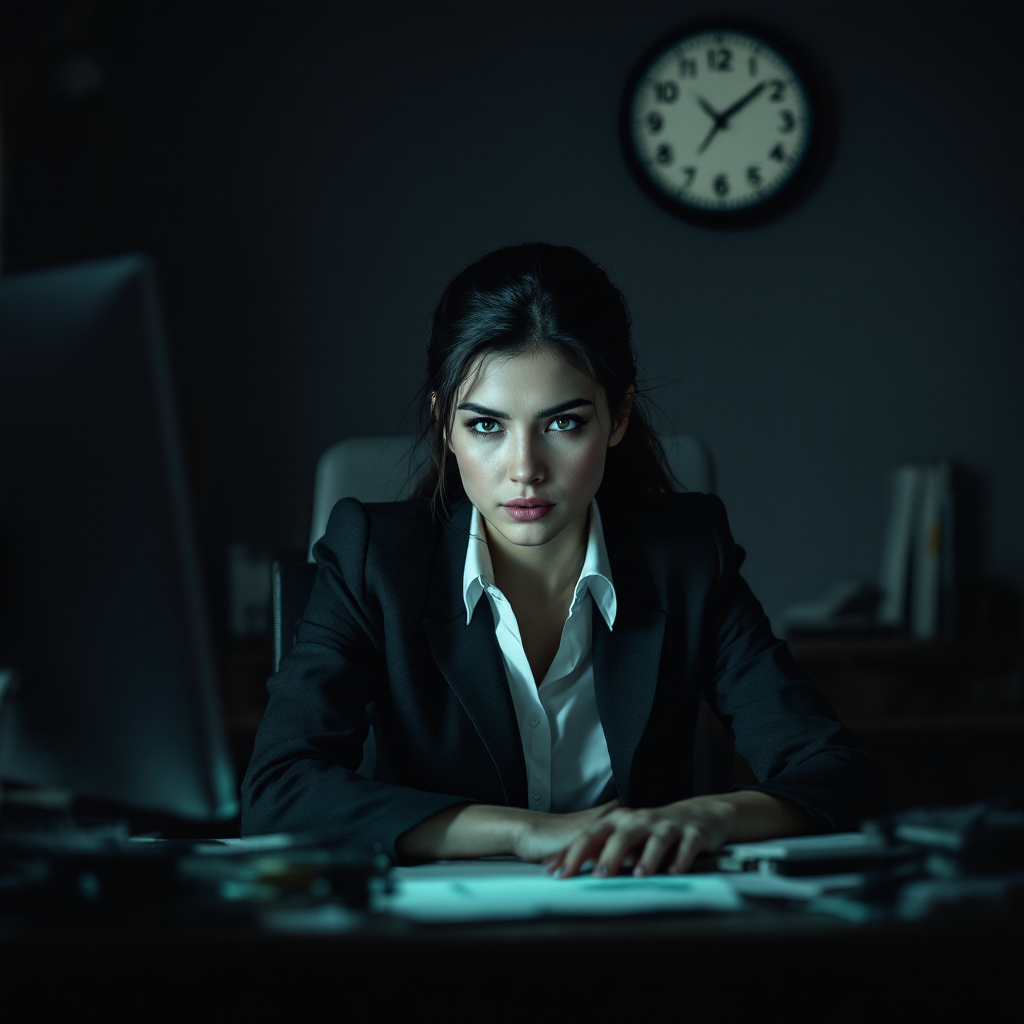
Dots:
{"x": 623, "y": 418}
{"x": 444, "y": 433}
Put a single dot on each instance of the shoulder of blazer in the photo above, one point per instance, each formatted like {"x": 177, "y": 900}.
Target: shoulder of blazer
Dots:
{"x": 379, "y": 544}
{"x": 372, "y": 530}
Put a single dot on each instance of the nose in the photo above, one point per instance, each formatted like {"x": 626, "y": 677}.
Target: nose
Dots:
{"x": 526, "y": 465}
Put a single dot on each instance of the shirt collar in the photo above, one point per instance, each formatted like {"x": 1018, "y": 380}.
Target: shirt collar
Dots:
{"x": 596, "y": 575}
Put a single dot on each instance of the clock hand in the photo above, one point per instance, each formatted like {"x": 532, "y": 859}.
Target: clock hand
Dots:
{"x": 728, "y": 113}
{"x": 709, "y": 110}
{"x": 715, "y": 128}
{"x": 711, "y": 134}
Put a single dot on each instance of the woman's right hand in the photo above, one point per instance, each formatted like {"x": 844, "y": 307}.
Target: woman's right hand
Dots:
{"x": 541, "y": 837}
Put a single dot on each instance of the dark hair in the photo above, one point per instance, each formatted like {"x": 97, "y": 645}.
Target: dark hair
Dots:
{"x": 529, "y": 296}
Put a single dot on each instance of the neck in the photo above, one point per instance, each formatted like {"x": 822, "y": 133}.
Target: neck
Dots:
{"x": 544, "y": 572}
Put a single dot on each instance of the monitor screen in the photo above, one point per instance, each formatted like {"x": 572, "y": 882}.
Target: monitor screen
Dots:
{"x": 102, "y": 619}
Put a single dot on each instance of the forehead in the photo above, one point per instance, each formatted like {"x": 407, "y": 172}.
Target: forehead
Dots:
{"x": 536, "y": 370}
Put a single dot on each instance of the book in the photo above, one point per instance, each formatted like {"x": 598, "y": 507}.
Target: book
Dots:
{"x": 933, "y": 585}
{"x": 898, "y": 548}
{"x": 916, "y": 591}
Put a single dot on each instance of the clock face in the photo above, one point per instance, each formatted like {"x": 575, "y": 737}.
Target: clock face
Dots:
{"x": 717, "y": 123}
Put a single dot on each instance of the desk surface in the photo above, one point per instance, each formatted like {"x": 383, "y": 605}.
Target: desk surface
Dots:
{"x": 768, "y": 962}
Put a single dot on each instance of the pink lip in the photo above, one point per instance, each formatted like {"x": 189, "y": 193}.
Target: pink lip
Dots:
{"x": 527, "y": 509}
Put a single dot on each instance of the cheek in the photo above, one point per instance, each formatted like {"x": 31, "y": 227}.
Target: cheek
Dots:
{"x": 585, "y": 461}
{"x": 592, "y": 456}
{"x": 476, "y": 464}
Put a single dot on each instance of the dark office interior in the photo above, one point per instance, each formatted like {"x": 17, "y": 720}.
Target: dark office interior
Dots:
{"x": 304, "y": 178}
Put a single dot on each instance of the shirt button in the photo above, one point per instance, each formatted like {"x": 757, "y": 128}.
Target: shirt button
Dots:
{"x": 535, "y": 721}
{"x": 536, "y": 796}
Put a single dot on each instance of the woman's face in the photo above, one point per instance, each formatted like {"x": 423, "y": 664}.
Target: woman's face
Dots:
{"x": 534, "y": 427}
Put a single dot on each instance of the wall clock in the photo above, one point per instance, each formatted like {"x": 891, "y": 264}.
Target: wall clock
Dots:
{"x": 718, "y": 125}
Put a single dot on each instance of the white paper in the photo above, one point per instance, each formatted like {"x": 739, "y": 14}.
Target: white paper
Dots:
{"x": 513, "y": 891}
{"x": 833, "y": 844}
{"x": 251, "y": 844}
{"x": 758, "y": 884}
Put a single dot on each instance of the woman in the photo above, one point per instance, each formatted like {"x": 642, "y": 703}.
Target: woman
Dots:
{"x": 536, "y": 626}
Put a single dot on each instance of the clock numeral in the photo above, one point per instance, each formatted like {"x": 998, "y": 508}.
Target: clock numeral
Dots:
{"x": 666, "y": 92}
{"x": 788, "y": 122}
{"x": 687, "y": 68}
{"x": 752, "y": 64}
{"x": 778, "y": 90}
{"x": 655, "y": 122}
{"x": 720, "y": 59}
{"x": 721, "y": 185}
{"x": 754, "y": 175}
{"x": 778, "y": 153}
{"x": 664, "y": 154}
{"x": 691, "y": 173}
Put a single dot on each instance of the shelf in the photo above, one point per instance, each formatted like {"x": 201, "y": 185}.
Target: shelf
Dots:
{"x": 890, "y": 652}
{"x": 996, "y": 724}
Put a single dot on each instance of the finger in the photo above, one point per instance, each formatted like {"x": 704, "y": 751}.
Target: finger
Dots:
{"x": 663, "y": 839}
{"x": 554, "y": 862}
{"x": 622, "y": 841}
{"x": 689, "y": 846}
{"x": 586, "y": 846}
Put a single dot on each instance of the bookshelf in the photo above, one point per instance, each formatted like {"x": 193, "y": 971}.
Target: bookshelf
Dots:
{"x": 944, "y": 719}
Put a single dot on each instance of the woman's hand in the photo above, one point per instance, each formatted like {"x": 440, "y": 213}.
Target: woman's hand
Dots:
{"x": 541, "y": 837}
{"x": 648, "y": 837}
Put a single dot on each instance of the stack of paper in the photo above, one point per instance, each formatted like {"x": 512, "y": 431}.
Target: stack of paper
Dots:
{"x": 513, "y": 890}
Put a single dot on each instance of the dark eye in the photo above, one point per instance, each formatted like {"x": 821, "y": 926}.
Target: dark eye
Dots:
{"x": 566, "y": 429}
{"x": 476, "y": 423}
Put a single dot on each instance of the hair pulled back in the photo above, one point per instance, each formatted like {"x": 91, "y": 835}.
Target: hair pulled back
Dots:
{"x": 525, "y": 297}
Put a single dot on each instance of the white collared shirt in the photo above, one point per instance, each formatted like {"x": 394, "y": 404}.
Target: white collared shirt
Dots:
{"x": 567, "y": 762}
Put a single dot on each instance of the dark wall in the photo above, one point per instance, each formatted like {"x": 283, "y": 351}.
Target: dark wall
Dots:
{"x": 309, "y": 175}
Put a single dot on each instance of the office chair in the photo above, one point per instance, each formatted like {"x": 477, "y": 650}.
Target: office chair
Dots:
{"x": 387, "y": 469}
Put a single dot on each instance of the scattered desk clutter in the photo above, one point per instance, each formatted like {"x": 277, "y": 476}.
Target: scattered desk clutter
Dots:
{"x": 907, "y": 866}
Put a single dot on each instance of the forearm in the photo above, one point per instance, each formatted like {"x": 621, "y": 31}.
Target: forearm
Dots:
{"x": 466, "y": 830}
{"x": 753, "y": 816}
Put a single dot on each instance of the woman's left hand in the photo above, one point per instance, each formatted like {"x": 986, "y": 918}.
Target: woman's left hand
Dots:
{"x": 650, "y": 837}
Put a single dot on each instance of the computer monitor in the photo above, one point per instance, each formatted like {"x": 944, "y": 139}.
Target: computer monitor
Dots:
{"x": 101, "y": 608}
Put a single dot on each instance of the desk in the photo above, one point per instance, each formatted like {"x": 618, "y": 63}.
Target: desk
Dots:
{"x": 768, "y": 963}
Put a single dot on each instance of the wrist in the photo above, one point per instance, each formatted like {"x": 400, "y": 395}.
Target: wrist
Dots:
{"x": 489, "y": 830}
{"x": 751, "y": 815}
{"x": 522, "y": 825}
{"x": 716, "y": 808}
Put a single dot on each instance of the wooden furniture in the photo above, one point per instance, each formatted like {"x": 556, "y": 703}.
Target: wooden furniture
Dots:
{"x": 944, "y": 720}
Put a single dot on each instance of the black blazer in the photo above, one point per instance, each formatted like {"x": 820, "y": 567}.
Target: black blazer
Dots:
{"x": 386, "y": 623}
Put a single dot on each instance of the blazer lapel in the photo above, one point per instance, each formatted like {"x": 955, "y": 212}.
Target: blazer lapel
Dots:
{"x": 470, "y": 659}
{"x": 626, "y": 659}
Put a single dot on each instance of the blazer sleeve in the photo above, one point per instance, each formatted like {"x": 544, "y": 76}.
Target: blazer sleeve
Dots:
{"x": 302, "y": 777}
{"x": 782, "y": 724}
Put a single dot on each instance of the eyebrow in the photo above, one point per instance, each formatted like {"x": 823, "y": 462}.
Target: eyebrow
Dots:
{"x": 573, "y": 403}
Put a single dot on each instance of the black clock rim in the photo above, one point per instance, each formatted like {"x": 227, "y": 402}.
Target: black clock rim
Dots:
{"x": 817, "y": 153}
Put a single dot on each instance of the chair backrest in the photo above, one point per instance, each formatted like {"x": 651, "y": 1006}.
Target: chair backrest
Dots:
{"x": 367, "y": 468}
{"x": 387, "y": 469}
